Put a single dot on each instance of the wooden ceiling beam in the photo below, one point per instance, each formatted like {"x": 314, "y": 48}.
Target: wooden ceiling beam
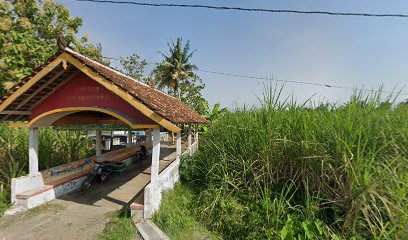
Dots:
{"x": 26, "y": 100}
{"x": 12, "y": 112}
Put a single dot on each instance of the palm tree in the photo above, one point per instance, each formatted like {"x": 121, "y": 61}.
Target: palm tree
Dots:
{"x": 175, "y": 67}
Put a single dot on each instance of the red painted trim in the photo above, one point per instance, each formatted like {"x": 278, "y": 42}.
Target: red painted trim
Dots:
{"x": 34, "y": 192}
{"x": 136, "y": 206}
{"x": 82, "y": 91}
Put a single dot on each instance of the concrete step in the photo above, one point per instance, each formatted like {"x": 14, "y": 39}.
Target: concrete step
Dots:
{"x": 35, "y": 197}
{"x": 137, "y": 208}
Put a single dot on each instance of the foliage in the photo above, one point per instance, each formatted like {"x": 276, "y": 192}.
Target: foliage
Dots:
{"x": 215, "y": 113}
{"x": 175, "y": 216}
{"x": 288, "y": 171}
{"x": 4, "y": 202}
{"x": 60, "y": 147}
{"x": 13, "y": 154}
{"x": 134, "y": 67}
{"x": 191, "y": 94}
{"x": 175, "y": 68}
{"x": 212, "y": 114}
{"x": 28, "y": 33}
{"x": 120, "y": 226}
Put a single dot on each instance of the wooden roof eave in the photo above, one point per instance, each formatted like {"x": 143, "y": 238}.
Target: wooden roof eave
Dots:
{"x": 37, "y": 77}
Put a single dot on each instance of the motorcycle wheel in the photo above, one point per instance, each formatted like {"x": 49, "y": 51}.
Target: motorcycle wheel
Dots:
{"x": 103, "y": 177}
{"x": 86, "y": 184}
{"x": 146, "y": 156}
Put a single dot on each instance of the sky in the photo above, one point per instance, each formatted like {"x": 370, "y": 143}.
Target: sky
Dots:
{"x": 345, "y": 51}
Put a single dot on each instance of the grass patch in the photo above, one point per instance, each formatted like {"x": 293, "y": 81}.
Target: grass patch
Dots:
{"x": 119, "y": 226}
{"x": 4, "y": 202}
{"x": 175, "y": 216}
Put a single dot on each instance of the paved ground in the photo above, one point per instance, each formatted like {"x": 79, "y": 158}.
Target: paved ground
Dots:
{"x": 82, "y": 215}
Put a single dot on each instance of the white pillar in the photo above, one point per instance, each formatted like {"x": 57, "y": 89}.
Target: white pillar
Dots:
{"x": 149, "y": 136}
{"x": 111, "y": 141}
{"x": 33, "y": 151}
{"x": 155, "y": 156}
{"x": 178, "y": 145}
{"x": 196, "y": 138}
{"x": 190, "y": 152}
{"x": 129, "y": 137}
{"x": 98, "y": 143}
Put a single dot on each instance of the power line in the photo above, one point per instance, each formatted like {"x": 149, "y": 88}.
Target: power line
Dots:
{"x": 298, "y": 82}
{"x": 290, "y": 11}
{"x": 281, "y": 80}
{"x": 110, "y": 58}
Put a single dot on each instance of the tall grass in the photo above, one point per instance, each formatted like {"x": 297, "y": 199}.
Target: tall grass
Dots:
{"x": 290, "y": 170}
{"x": 175, "y": 217}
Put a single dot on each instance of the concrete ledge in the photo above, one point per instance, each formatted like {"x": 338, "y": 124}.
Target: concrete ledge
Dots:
{"x": 150, "y": 231}
{"x": 37, "y": 200}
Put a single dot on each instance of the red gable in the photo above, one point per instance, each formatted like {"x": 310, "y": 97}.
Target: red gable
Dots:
{"x": 81, "y": 91}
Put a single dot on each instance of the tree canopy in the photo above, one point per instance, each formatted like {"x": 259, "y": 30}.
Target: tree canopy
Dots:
{"x": 28, "y": 33}
{"x": 134, "y": 66}
{"x": 175, "y": 73}
{"x": 175, "y": 67}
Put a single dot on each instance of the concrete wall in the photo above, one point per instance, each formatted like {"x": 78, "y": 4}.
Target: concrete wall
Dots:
{"x": 169, "y": 176}
{"x": 167, "y": 179}
{"x": 70, "y": 186}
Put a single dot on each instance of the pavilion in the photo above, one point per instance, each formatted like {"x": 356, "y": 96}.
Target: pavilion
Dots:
{"x": 71, "y": 91}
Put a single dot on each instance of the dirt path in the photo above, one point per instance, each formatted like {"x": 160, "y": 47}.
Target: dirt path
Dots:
{"x": 84, "y": 214}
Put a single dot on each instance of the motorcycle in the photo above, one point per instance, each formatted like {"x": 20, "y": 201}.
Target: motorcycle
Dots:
{"x": 104, "y": 170}
{"x": 143, "y": 154}
{"x": 101, "y": 173}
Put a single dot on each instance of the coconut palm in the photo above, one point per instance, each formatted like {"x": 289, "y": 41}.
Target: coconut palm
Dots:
{"x": 175, "y": 67}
